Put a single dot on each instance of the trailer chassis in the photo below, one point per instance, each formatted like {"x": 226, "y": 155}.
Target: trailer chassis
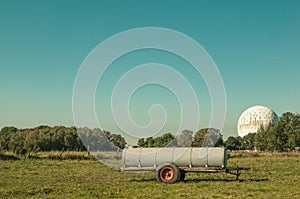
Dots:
{"x": 236, "y": 171}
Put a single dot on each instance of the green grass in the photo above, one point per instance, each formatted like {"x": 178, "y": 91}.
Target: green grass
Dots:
{"x": 270, "y": 177}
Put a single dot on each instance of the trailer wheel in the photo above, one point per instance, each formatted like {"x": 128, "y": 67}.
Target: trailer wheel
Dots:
{"x": 182, "y": 176}
{"x": 168, "y": 173}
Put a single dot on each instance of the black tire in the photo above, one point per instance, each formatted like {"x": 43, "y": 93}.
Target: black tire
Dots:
{"x": 168, "y": 173}
{"x": 182, "y": 176}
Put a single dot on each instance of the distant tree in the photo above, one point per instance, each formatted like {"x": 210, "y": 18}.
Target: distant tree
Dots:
{"x": 208, "y": 137}
{"x": 118, "y": 141}
{"x": 260, "y": 141}
{"x": 31, "y": 141}
{"x": 45, "y": 138}
{"x": 150, "y": 142}
{"x": 57, "y": 135}
{"x": 247, "y": 142}
{"x": 233, "y": 143}
{"x": 5, "y": 135}
{"x": 164, "y": 140}
{"x": 199, "y": 138}
{"x": 289, "y": 126}
{"x": 281, "y": 136}
{"x": 16, "y": 143}
{"x": 141, "y": 143}
{"x": 271, "y": 138}
{"x": 9, "y": 129}
{"x": 70, "y": 140}
{"x": 185, "y": 139}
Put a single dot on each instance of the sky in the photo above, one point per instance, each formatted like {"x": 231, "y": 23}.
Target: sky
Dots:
{"x": 254, "y": 44}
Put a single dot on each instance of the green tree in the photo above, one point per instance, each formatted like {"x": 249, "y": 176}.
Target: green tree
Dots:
{"x": 233, "y": 143}
{"x": 115, "y": 139}
{"x": 260, "y": 141}
{"x": 5, "y": 136}
{"x": 70, "y": 140}
{"x": 16, "y": 143}
{"x": 247, "y": 142}
{"x": 208, "y": 137}
{"x": 141, "y": 143}
{"x": 282, "y": 136}
{"x": 31, "y": 141}
{"x": 164, "y": 140}
{"x": 150, "y": 142}
{"x": 118, "y": 141}
{"x": 185, "y": 139}
{"x": 289, "y": 126}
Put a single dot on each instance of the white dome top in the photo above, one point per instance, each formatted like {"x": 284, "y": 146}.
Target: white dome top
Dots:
{"x": 253, "y": 118}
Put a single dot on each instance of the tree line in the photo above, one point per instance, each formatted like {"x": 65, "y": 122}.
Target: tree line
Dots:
{"x": 281, "y": 136}
{"x": 209, "y": 137}
{"x": 46, "y": 138}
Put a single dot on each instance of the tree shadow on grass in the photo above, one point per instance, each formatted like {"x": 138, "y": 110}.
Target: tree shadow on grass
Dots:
{"x": 208, "y": 180}
{"x": 203, "y": 180}
{"x": 143, "y": 180}
{"x": 254, "y": 180}
{"x": 8, "y": 157}
{"x": 224, "y": 180}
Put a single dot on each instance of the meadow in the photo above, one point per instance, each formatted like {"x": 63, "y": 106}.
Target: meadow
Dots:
{"x": 271, "y": 176}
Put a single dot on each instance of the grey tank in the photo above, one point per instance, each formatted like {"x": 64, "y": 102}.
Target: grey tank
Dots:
{"x": 181, "y": 156}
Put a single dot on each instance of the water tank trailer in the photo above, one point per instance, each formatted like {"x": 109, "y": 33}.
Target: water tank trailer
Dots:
{"x": 171, "y": 164}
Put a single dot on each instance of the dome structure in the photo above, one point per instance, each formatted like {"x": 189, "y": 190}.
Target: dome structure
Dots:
{"x": 253, "y": 118}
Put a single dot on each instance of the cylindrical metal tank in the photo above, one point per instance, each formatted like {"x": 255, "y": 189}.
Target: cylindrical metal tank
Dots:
{"x": 182, "y": 157}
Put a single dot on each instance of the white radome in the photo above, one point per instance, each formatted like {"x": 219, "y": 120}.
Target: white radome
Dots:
{"x": 253, "y": 118}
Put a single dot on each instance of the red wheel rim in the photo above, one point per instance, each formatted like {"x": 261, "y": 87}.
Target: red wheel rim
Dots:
{"x": 166, "y": 174}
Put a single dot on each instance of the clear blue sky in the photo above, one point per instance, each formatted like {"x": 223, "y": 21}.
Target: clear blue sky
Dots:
{"x": 255, "y": 44}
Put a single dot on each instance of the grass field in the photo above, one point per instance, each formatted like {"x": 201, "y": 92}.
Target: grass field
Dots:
{"x": 272, "y": 176}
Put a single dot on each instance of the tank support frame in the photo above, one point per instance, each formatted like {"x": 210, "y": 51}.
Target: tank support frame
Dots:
{"x": 230, "y": 170}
